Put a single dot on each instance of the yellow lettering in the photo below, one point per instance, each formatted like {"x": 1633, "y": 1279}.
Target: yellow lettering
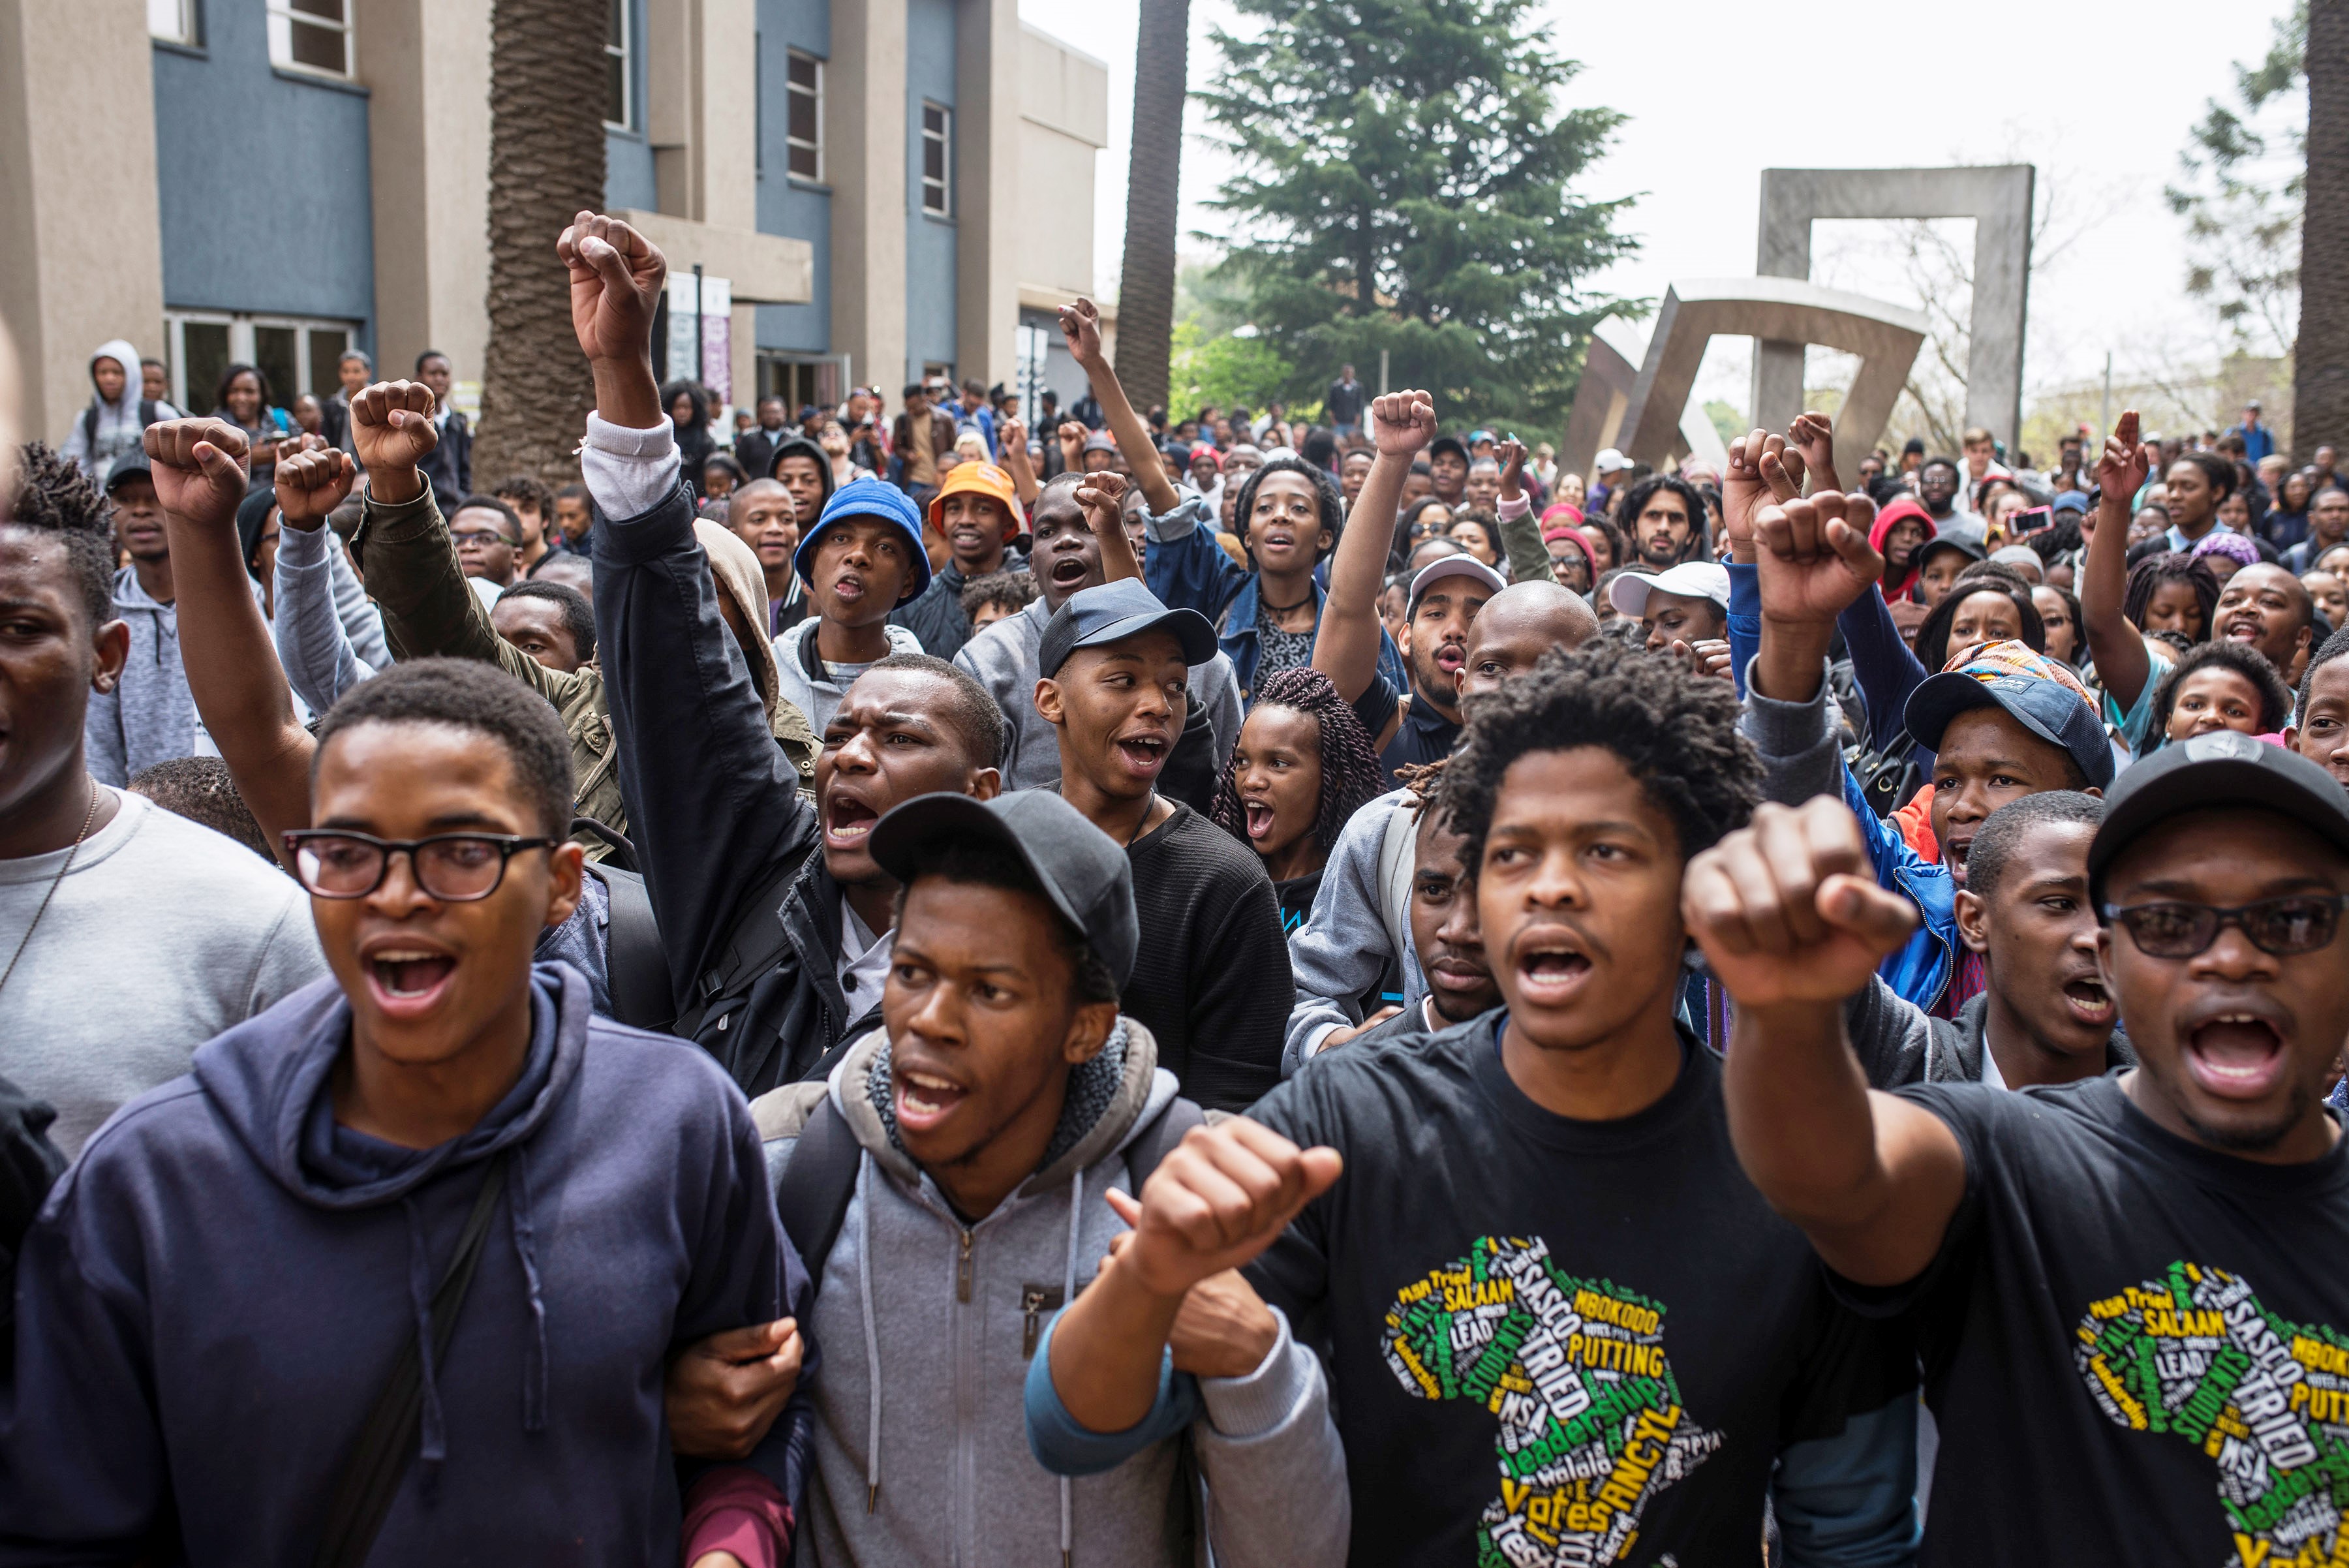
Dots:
{"x": 2130, "y": 1406}
{"x": 1427, "y": 1381}
{"x": 2250, "y": 1550}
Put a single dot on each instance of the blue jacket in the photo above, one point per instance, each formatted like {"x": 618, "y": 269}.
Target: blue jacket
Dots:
{"x": 1801, "y": 758}
{"x": 213, "y": 1295}
{"x": 1186, "y": 568}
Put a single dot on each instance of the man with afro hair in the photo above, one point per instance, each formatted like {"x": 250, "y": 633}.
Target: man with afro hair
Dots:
{"x": 1546, "y": 1292}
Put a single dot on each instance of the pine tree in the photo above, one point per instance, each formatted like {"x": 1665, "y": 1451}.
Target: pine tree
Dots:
{"x": 1405, "y": 185}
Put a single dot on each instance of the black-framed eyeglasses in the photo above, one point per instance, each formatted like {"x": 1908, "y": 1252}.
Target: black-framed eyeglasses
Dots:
{"x": 2301, "y": 923}
{"x": 454, "y": 867}
{"x": 482, "y": 538}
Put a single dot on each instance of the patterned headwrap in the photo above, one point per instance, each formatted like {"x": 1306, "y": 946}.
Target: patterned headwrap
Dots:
{"x": 2014, "y": 657}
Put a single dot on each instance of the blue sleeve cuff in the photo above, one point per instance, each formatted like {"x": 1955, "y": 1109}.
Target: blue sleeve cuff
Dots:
{"x": 1066, "y": 1448}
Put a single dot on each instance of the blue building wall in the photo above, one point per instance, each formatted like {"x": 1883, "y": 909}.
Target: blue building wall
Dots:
{"x": 797, "y": 208}
{"x": 628, "y": 154}
{"x": 930, "y": 241}
{"x": 262, "y": 180}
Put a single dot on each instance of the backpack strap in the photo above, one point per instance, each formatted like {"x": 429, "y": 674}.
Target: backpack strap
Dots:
{"x": 1395, "y": 862}
{"x": 388, "y": 1441}
{"x": 90, "y": 425}
{"x": 146, "y": 412}
{"x": 636, "y": 970}
{"x": 812, "y": 1197}
{"x": 1159, "y": 1134}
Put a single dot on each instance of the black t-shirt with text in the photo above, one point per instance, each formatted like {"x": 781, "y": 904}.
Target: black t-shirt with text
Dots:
{"x": 1554, "y": 1342}
{"x": 2136, "y": 1346}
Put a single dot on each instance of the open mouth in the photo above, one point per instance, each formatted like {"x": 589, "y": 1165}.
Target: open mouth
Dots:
{"x": 849, "y": 588}
{"x": 2241, "y": 628}
{"x": 1068, "y": 571}
{"x": 1259, "y": 819}
{"x": 1954, "y": 851}
{"x": 2088, "y": 1002}
{"x": 1451, "y": 655}
{"x": 923, "y": 1099}
{"x": 847, "y": 822}
{"x": 407, "y": 980}
{"x": 1550, "y": 972}
{"x": 1143, "y": 754}
{"x": 2236, "y": 1056}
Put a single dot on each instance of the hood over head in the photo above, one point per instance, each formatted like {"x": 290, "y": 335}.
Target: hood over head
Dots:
{"x": 800, "y": 446}
{"x": 1906, "y": 506}
{"x": 119, "y": 350}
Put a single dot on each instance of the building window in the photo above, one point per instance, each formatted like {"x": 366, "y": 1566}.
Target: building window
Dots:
{"x": 296, "y": 355}
{"x": 172, "y": 21}
{"x": 311, "y": 35}
{"x": 615, "y": 68}
{"x": 801, "y": 383}
{"x": 804, "y": 127}
{"x": 937, "y": 132}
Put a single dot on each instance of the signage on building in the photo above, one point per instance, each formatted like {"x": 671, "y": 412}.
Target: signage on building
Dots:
{"x": 710, "y": 302}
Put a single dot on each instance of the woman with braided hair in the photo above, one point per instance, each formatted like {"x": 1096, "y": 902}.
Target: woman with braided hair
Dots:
{"x": 1303, "y": 765}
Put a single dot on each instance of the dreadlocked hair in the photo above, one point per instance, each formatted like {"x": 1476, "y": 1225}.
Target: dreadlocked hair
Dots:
{"x": 1675, "y": 731}
{"x": 57, "y": 498}
{"x": 1350, "y": 775}
{"x": 2146, "y": 577}
{"x": 1425, "y": 780}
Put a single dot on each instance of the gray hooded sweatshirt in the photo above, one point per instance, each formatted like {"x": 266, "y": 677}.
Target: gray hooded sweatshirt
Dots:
{"x": 928, "y": 1326}
{"x": 149, "y": 717}
{"x": 117, "y": 426}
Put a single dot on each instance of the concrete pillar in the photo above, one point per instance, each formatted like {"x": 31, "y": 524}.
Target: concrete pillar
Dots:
{"x": 988, "y": 218}
{"x": 81, "y": 245}
{"x": 702, "y": 109}
{"x": 426, "y": 64}
{"x": 865, "y": 132}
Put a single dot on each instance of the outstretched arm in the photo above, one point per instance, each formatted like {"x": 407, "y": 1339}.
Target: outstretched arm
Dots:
{"x": 1101, "y": 495}
{"x": 1521, "y": 539}
{"x": 2122, "y": 662}
{"x": 224, "y": 644}
{"x": 1081, "y": 325}
{"x": 1791, "y": 925}
{"x": 1346, "y": 646}
{"x": 1011, "y": 454}
{"x": 317, "y": 654}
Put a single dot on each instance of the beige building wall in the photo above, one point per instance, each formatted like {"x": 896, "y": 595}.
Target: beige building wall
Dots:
{"x": 988, "y": 94}
{"x": 426, "y": 64}
{"x": 864, "y": 151}
{"x": 87, "y": 65}
{"x": 1063, "y": 126}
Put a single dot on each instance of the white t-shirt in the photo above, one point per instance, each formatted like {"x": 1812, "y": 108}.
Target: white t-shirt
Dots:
{"x": 162, "y": 935}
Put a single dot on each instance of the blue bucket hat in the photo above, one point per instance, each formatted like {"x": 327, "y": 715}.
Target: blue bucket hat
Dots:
{"x": 869, "y": 498}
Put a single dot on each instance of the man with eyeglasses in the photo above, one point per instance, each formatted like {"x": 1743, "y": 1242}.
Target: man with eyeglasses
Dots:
{"x": 460, "y": 1165}
{"x": 487, "y": 533}
{"x": 2133, "y": 1282}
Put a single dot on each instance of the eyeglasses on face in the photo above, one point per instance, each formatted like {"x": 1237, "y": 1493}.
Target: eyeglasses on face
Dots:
{"x": 454, "y": 867}
{"x": 482, "y": 538}
{"x": 2284, "y": 928}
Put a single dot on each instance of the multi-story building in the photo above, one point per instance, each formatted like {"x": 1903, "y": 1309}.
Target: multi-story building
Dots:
{"x": 889, "y": 188}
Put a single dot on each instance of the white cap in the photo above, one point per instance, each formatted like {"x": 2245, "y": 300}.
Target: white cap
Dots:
{"x": 1463, "y": 566}
{"x": 1609, "y": 461}
{"x": 1690, "y": 579}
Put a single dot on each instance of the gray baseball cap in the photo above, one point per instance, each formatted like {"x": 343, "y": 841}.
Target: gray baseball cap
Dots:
{"x": 1077, "y": 866}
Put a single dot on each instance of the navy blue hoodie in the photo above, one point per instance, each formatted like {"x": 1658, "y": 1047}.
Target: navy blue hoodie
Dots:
{"x": 217, "y": 1290}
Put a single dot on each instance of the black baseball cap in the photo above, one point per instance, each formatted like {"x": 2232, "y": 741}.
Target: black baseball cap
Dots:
{"x": 1448, "y": 443}
{"x": 2223, "y": 767}
{"x": 1112, "y": 612}
{"x": 132, "y": 464}
{"x": 1943, "y": 539}
{"x": 1078, "y": 867}
{"x": 2047, "y": 707}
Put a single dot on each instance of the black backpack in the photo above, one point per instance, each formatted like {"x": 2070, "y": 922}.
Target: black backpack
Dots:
{"x": 636, "y": 970}
{"x": 89, "y": 420}
{"x": 812, "y": 1197}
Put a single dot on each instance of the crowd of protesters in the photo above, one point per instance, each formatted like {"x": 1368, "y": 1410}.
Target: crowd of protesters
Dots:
{"x": 917, "y": 992}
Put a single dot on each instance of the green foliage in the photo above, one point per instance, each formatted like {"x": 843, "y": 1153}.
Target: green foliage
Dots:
{"x": 1729, "y": 421}
{"x": 2241, "y": 208}
{"x": 1233, "y": 367}
{"x": 1404, "y": 184}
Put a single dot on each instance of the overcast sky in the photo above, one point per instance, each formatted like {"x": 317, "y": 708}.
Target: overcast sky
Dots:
{"x": 2099, "y": 100}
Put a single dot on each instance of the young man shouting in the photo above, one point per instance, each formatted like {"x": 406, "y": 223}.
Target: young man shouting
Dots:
{"x": 1521, "y": 1278}
{"x": 2130, "y": 1280}
{"x": 963, "y": 1151}
{"x": 510, "y": 1215}
{"x": 1112, "y": 671}
{"x": 976, "y": 511}
{"x": 861, "y": 559}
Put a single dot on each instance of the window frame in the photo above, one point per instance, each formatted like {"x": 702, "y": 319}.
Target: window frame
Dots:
{"x": 624, "y": 52}
{"x": 944, "y": 185}
{"x": 189, "y": 32}
{"x": 283, "y": 19}
{"x": 793, "y": 145}
{"x": 240, "y": 349}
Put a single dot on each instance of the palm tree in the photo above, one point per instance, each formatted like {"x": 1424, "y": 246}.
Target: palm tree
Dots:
{"x": 2320, "y": 403}
{"x": 547, "y": 76}
{"x": 1145, "y": 291}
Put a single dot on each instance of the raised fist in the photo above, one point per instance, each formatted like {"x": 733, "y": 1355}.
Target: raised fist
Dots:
{"x": 1222, "y": 1196}
{"x": 1812, "y": 556}
{"x": 199, "y": 468}
{"x": 311, "y": 483}
{"x": 1081, "y": 325}
{"x": 391, "y": 426}
{"x": 1786, "y": 910}
{"x": 617, "y": 276}
{"x": 1402, "y": 423}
